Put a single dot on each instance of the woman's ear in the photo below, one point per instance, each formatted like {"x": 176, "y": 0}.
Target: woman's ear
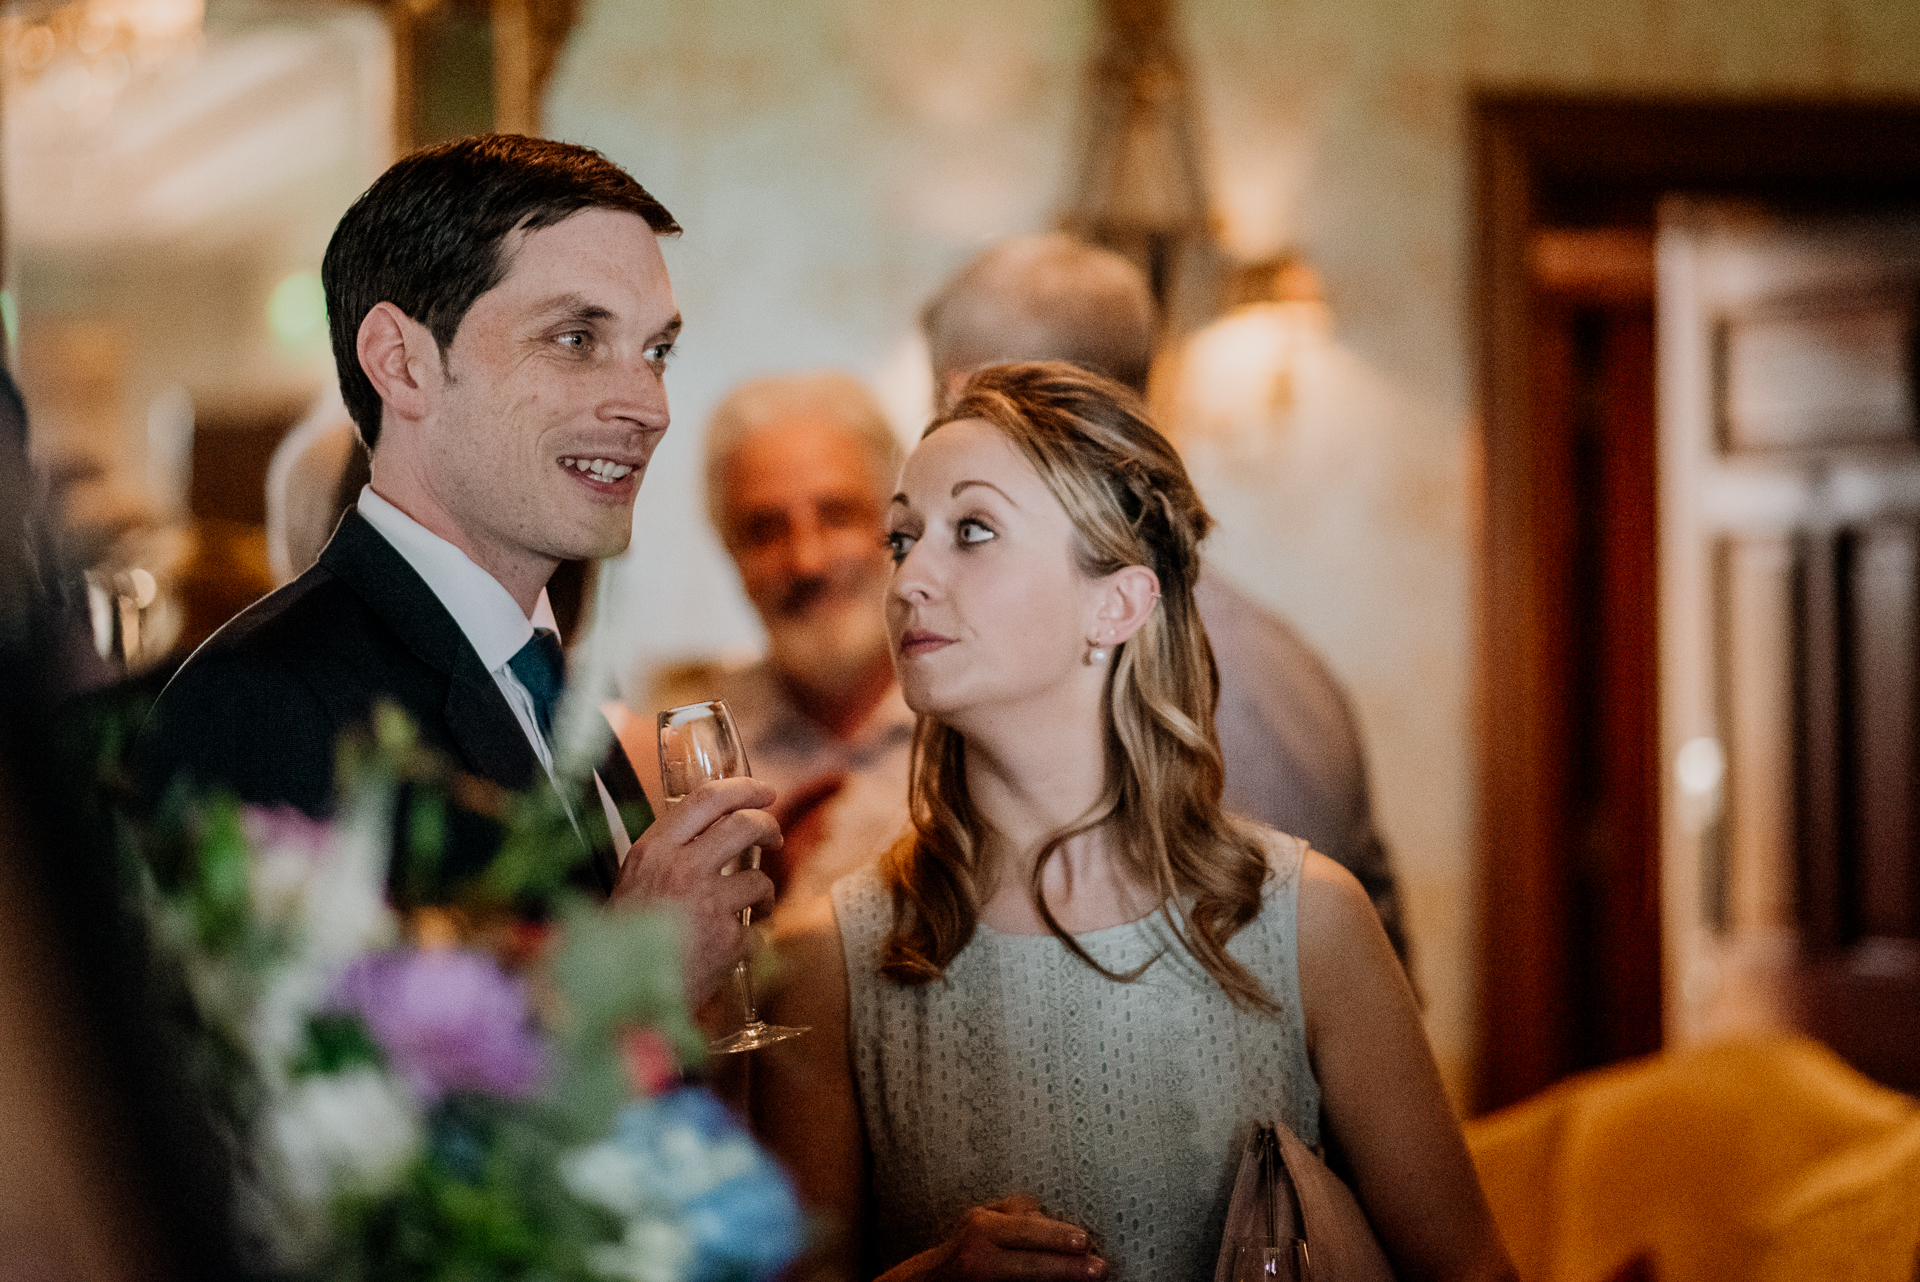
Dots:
{"x": 1127, "y": 598}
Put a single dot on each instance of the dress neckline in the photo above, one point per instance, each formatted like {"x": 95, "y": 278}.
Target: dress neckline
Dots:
{"x": 1138, "y": 923}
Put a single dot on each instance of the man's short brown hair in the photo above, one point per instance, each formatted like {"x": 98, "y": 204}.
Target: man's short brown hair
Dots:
{"x": 429, "y": 236}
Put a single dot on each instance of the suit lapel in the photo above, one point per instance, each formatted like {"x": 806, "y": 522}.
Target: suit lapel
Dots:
{"x": 483, "y": 728}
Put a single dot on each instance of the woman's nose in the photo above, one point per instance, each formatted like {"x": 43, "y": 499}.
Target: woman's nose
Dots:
{"x": 915, "y": 575}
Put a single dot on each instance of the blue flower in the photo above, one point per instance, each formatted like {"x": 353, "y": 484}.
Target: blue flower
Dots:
{"x": 681, "y": 1167}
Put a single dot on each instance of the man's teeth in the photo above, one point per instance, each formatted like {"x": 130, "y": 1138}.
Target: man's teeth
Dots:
{"x": 600, "y": 468}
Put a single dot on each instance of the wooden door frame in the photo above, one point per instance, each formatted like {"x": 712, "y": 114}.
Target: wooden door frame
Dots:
{"x": 1526, "y": 146}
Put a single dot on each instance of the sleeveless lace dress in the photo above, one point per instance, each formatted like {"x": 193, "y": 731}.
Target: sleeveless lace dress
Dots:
{"x": 1122, "y": 1107}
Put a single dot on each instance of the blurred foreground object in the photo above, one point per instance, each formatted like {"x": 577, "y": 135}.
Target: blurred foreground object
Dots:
{"x": 484, "y": 1087}
{"x": 108, "y": 1173}
{"x": 1748, "y": 1160}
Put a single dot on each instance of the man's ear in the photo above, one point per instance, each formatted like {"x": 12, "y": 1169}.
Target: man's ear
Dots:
{"x": 401, "y": 359}
{"x": 1127, "y": 599}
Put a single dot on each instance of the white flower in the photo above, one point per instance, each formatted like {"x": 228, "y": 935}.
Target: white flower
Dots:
{"x": 354, "y": 1131}
{"x": 277, "y": 1031}
{"x": 693, "y": 1165}
{"x": 344, "y": 908}
{"x": 651, "y": 1251}
{"x": 605, "y": 1175}
{"x": 686, "y": 1165}
{"x": 277, "y": 883}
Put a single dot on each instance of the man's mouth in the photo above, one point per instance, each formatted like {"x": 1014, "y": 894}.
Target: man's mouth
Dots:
{"x": 803, "y": 594}
{"x": 604, "y": 470}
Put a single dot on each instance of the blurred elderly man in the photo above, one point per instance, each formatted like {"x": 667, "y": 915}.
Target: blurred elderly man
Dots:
{"x": 1293, "y": 753}
{"x": 799, "y": 470}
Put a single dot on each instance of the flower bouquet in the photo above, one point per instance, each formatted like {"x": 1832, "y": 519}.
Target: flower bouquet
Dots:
{"x": 485, "y": 1086}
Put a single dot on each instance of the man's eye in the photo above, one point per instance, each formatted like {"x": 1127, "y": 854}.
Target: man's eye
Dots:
{"x": 899, "y": 543}
{"x": 847, "y": 514}
{"x": 972, "y": 530}
{"x": 577, "y": 340}
{"x": 660, "y": 353}
{"x": 759, "y": 529}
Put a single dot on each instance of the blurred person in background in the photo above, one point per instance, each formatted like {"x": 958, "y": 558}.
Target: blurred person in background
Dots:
{"x": 111, "y": 1167}
{"x": 799, "y": 469}
{"x": 1293, "y": 753}
{"x": 314, "y": 477}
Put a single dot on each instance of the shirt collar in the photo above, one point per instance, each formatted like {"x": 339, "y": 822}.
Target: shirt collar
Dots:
{"x": 485, "y": 611}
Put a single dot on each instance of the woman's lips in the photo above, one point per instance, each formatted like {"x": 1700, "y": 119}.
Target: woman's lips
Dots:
{"x": 916, "y": 643}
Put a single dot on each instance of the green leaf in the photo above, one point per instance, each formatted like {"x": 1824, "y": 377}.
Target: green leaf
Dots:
{"x": 540, "y": 849}
{"x": 221, "y": 906}
{"x": 426, "y": 841}
{"x": 335, "y": 1042}
{"x": 614, "y": 969}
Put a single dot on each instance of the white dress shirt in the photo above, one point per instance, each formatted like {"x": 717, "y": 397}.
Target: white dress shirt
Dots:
{"x": 488, "y": 617}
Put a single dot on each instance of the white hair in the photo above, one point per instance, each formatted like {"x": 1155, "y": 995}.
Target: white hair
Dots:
{"x": 829, "y": 395}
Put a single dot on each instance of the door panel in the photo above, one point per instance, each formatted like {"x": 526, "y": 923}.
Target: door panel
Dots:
{"x": 1790, "y": 608}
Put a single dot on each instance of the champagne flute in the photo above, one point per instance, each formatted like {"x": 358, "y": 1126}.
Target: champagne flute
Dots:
{"x": 698, "y": 742}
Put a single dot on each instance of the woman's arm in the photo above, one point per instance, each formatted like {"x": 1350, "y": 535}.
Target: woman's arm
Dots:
{"x": 803, "y": 1100}
{"x": 1381, "y": 1092}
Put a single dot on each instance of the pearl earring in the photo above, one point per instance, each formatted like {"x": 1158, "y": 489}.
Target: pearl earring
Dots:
{"x": 1096, "y": 653}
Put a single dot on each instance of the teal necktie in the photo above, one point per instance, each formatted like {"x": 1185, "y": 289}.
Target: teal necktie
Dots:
{"x": 542, "y": 670}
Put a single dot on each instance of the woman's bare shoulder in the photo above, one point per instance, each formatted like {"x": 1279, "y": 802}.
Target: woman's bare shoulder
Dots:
{"x": 1342, "y": 945}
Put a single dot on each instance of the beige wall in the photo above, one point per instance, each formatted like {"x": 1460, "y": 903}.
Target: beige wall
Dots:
{"x": 832, "y": 159}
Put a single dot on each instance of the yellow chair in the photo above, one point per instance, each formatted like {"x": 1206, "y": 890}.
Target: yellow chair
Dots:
{"x": 1752, "y": 1158}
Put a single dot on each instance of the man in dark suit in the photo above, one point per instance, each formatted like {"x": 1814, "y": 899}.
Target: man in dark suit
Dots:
{"x": 501, "y": 320}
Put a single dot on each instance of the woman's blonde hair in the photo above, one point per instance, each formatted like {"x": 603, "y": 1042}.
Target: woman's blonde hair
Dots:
{"x": 1131, "y": 503}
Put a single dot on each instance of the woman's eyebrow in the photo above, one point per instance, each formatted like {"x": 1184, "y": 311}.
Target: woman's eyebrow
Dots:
{"x": 961, "y": 485}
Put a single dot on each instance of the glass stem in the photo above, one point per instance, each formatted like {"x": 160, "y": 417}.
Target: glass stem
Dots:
{"x": 743, "y": 976}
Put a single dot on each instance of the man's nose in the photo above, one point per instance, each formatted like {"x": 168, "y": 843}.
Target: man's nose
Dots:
{"x": 807, "y": 553}
{"x": 639, "y": 396}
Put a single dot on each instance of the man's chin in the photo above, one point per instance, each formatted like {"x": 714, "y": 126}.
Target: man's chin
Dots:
{"x": 594, "y": 544}
{"x": 827, "y": 650}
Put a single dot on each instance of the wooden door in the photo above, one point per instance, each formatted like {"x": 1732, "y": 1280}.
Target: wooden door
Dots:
{"x": 1790, "y": 627}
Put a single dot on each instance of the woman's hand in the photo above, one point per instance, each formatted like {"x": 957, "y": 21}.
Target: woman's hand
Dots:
{"x": 1009, "y": 1239}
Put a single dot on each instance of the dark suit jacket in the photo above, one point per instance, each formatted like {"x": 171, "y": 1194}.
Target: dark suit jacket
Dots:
{"x": 260, "y": 706}
{"x": 1291, "y": 746}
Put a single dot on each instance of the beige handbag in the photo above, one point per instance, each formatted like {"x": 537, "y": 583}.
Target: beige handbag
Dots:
{"x": 1286, "y": 1197}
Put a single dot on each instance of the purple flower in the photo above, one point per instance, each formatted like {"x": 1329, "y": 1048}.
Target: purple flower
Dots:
{"x": 274, "y": 828}
{"x": 447, "y": 1020}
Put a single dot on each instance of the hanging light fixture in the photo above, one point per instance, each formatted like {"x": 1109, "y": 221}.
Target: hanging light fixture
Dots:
{"x": 87, "y": 51}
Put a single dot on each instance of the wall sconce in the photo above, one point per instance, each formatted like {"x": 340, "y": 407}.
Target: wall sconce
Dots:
{"x": 1234, "y": 381}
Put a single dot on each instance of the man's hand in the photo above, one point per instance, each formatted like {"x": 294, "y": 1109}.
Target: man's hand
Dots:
{"x": 678, "y": 861}
{"x": 1009, "y": 1239}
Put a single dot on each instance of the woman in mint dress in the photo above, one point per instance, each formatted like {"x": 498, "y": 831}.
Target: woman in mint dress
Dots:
{"x": 1046, "y": 1023}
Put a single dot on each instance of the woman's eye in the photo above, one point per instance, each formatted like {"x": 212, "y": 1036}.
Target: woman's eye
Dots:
{"x": 972, "y": 530}
{"x": 899, "y": 543}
